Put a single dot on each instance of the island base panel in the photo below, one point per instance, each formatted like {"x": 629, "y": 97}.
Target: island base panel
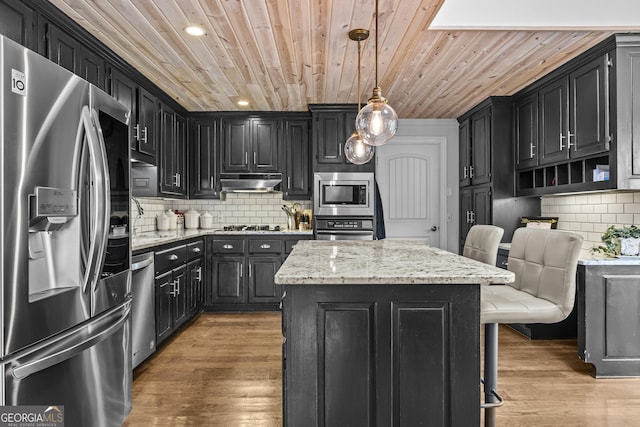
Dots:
{"x": 381, "y": 355}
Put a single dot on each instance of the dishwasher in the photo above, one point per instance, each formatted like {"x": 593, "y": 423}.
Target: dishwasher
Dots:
{"x": 143, "y": 317}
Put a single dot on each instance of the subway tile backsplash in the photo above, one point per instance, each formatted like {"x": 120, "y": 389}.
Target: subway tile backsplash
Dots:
{"x": 590, "y": 214}
{"x": 236, "y": 209}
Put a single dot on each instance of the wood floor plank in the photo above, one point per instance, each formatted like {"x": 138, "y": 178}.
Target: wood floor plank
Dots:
{"x": 225, "y": 370}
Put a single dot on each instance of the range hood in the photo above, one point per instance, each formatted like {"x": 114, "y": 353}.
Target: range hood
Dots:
{"x": 250, "y": 182}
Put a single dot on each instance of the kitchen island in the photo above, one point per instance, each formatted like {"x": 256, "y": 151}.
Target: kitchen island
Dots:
{"x": 381, "y": 333}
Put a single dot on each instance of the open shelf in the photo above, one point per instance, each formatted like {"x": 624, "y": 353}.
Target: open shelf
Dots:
{"x": 570, "y": 176}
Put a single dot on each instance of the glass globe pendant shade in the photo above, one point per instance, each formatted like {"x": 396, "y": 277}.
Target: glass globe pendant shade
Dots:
{"x": 377, "y": 122}
{"x": 356, "y": 151}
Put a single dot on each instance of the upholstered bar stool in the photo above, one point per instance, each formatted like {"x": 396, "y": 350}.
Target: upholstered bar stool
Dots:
{"x": 482, "y": 243}
{"x": 544, "y": 263}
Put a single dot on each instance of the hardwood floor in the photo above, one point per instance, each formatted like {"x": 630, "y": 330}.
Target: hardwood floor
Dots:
{"x": 225, "y": 370}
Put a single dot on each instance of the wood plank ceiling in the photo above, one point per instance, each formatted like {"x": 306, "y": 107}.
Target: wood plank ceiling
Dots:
{"x": 281, "y": 55}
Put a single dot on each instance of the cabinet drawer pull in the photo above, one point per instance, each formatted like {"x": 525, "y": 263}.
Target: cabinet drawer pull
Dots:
{"x": 196, "y": 250}
{"x": 227, "y": 246}
{"x": 173, "y": 257}
{"x": 265, "y": 246}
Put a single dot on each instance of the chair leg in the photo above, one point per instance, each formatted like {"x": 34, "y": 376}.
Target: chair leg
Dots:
{"x": 490, "y": 372}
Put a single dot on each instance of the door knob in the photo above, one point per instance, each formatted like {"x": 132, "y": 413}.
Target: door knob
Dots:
{"x": 434, "y": 228}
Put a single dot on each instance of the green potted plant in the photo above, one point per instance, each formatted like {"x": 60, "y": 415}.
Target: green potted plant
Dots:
{"x": 619, "y": 241}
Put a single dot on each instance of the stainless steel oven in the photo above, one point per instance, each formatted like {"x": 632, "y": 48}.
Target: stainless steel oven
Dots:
{"x": 344, "y": 228}
{"x": 343, "y": 194}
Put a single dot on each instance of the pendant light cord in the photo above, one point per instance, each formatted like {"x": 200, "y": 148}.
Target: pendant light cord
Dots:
{"x": 358, "y": 75}
{"x": 376, "y": 43}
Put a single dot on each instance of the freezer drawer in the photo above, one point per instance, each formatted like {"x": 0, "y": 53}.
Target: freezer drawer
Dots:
{"x": 87, "y": 370}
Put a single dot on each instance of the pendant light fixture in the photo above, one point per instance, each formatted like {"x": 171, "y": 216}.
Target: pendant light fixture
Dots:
{"x": 377, "y": 122}
{"x": 355, "y": 149}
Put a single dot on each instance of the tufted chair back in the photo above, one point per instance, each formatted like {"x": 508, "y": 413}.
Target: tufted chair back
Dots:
{"x": 482, "y": 243}
{"x": 545, "y": 263}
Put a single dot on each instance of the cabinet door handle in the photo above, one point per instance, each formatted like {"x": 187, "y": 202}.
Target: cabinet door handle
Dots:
{"x": 254, "y": 158}
{"x": 250, "y": 272}
{"x": 569, "y": 144}
{"x": 241, "y": 268}
{"x": 562, "y": 146}
{"x": 470, "y": 171}
{"x": 199, "y": 274}
{"x": 473, "y": 217}
{"x": 246, "y": 157}
{"x": 144, "y": 135}
{"x": 136, "y": 129}
{"x": 288, "y": 182}
{"x": 339, "y": 149}
{"x": 173, "y": 257}
{"x": 532, "y": 153}
{"x": 265, "y": 246}
{"x": 211, "y": 183}
{"x": 465, "y": 175}
{"x": 227, "y": 246}
{"x": 176, "y": 179}
{"x": 468, "y": 217}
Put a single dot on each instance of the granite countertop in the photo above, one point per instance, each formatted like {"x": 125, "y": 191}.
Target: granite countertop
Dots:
{"x": 589, "y": 258}
{"x": 156, "y": 238}
{"x": 383, "y": 262}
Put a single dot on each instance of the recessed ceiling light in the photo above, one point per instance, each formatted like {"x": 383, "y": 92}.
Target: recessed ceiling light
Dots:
{"x": 195, "y": 30}
{"x": 243, "y": 103}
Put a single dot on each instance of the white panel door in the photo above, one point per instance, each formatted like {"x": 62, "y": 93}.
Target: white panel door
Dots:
{"x": 409, "y": 174}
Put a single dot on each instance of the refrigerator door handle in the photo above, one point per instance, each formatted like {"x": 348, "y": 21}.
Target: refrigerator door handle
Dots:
{"x": 101, "y": 201}
{"x": 40, "y": 364}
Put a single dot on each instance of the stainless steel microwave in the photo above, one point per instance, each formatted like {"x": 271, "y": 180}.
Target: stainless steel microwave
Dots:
{"x": 343, "y": 193}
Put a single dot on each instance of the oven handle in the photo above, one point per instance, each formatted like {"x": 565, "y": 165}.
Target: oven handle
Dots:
{"x": 344, "y": 234}
{"x": 355, "y": 232}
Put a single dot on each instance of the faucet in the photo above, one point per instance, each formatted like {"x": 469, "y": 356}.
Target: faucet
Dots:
{"x": 140, "y": 213}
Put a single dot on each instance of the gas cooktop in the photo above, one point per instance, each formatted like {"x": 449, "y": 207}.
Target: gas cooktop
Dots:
{"x": 251, "y": 228}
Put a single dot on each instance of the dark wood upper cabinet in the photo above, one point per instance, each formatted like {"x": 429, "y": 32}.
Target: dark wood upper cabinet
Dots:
{"x": 204, "y": 159}
{"x": 526, "y": 130}
{"x": 588, "y": 108}
{"x": 250, "y": 144}
{"x": 172, "y": 165}
{"x": 17, "y": 21}
{"x": 480, "y": 168}
{"x": 464, "y": 157}
{"x": 554, "y": 117}
{"x": 296, "y": 179}
{"x": 331, "y": 126}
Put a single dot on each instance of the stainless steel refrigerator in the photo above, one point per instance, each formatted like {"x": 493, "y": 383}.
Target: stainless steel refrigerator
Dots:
{"x": 64, "y": 242}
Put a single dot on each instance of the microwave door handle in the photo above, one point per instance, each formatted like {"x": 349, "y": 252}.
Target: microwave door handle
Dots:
{"x": 97, "y": 235}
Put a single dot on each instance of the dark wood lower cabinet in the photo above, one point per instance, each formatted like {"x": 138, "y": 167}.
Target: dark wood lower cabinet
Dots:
{"x": 381, "y": 355}
{"x": 608, "y": 320}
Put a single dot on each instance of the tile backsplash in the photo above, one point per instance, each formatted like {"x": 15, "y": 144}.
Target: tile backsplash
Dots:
{"x": 590, "y": 214}
{"x": 236, "y": 209}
